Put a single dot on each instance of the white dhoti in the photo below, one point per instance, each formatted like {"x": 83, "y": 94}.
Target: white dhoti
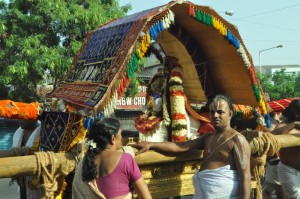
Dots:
{"x": 290, "y": 180}
{"x": 31, "y": 192}
{"x": 220, "y": 183}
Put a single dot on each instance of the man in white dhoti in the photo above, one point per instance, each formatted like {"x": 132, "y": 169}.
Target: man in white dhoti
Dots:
{"x": 27, "y": 135}
{"x": 288, "y": 168}
{"x": 225, "y": 171}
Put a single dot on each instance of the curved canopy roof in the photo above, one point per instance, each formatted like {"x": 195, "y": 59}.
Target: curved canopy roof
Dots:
{"x": 210, "y": 50}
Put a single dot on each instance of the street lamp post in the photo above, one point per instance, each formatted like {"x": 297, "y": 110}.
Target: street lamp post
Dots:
{"x": 279, "y": 46}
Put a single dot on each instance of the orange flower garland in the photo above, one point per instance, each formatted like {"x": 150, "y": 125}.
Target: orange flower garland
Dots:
{"x": 18, "y": 110}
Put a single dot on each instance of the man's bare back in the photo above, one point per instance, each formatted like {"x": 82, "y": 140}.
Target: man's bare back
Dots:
{"x": 290, "y": 156}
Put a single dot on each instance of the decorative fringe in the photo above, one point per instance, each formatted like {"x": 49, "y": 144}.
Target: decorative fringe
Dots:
{"x": 211, "y": 20}
{"x": 141, "y": 48}
{"x": 192, "y": 11}
{"x": 123, "y": 85}
{"x": 217, "y": 24}
{"x": 244, "y": 56}
{"x": 243, "y": 112}
{"x": 133, "y": 64}
{"x": 204, "y": 17}
{"x": 111, "y": 106}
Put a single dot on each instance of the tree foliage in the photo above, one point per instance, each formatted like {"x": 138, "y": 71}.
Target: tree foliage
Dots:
{"x": 39, "y": 36}
{"x": 280, "y": 85}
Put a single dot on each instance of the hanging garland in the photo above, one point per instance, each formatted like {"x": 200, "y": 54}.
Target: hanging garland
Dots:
{"x": 177, "y": 103}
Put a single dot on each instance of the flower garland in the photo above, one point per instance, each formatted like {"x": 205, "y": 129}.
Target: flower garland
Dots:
{"x": 177, "y": 103}
{"x": 90, "y": 143}
{"x": 166, "y": 115}
{"x": 18, "y": 110}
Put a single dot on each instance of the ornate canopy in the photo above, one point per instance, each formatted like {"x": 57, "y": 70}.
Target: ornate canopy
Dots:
{"x": 210, "y": 50}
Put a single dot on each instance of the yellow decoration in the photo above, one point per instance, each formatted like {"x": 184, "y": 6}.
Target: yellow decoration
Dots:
{"x": 263, "y": 105}
{"x": 64, "y": 186}
{"x": 80, "y": 136}
{"x": 219, "y": 26}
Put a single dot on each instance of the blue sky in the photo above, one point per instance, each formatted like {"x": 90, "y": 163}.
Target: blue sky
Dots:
{"x": 262, "y": 24}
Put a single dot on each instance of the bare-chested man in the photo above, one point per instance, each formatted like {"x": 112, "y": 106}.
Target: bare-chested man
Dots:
{"x": 225, "y": 171}
{"x": 289, "y": 166}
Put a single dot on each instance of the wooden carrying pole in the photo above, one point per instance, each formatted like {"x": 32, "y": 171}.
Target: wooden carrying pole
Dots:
{"x": 27, "y": 165}
{"x": 285, "y": 141}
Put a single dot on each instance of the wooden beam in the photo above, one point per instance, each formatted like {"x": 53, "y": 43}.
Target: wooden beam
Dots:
{"x": 285, "y": 141}
{"x": 27, "y": 165}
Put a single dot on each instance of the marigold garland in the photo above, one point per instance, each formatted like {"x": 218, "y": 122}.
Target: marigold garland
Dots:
{"x": 18, "y": 110}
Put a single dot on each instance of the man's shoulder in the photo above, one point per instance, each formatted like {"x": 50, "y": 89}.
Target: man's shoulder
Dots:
{"x": 237, "y": 136}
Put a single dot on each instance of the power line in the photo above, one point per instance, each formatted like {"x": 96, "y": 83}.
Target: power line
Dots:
{"x": 281, "y": 58}
{"x": 266, "y": 25}
{"x": 268, "y": 12}
{"x": 260, "y": 40}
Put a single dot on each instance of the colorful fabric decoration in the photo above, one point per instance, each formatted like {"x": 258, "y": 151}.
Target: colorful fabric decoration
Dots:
{"x": 281, "y": 104}
{"x": 104, "y": 57}
{"x": 61, "y": 131}
{"x": 18, "y": 110}
{"x": 111, "y": 54}
{"x": 147, "y": 125}
{"x": 206, "y": 127}
{"x": 211, "y": 20}
{"x": 243, "y": 112}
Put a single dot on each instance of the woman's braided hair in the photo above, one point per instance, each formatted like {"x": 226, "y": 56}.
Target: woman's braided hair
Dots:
{"x": 100, "y": 133}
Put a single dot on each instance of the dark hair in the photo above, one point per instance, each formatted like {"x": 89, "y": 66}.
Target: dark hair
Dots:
{"x": 272, "y": 114}
{"x": 101, "y": 133}
{"x": 225, "y": 98}
{"x": 292, "y": 110}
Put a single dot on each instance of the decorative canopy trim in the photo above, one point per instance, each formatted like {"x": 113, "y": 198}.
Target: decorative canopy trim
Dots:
{"x": 106, "y": 62}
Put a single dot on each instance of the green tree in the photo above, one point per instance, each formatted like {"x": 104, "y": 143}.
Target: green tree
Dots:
{"x": 280, "y": 85}
{"x": 39, "y": 36}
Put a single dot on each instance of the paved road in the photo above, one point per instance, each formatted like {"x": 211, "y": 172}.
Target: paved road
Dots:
{"x": 6, "y": 191}
{"x": 9, "y": 192}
